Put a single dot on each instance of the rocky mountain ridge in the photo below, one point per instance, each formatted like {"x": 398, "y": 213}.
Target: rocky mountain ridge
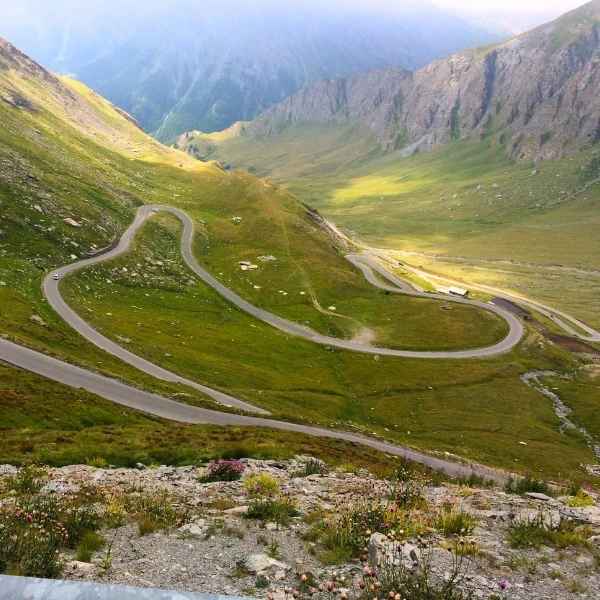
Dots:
{"x": 538, "y": 93}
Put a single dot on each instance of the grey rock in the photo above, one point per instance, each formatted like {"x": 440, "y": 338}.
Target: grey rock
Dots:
{"x": 523, "y": 85}
{"x": 196, "y": 529}
{"x": 385, "y": 551}
{"x": 259, "y": 564}
{"x": 38, "y": 320}
{"x": 538, "y": 496}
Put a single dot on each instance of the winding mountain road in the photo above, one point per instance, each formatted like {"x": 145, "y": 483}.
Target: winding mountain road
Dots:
{"x": 364, "y": 263}
{"x": 154, "y": 404}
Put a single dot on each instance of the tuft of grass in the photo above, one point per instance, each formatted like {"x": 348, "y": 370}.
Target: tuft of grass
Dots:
{"x": 455, "y": 522}
{"x": 90, "y": 543}
{"x": 273, "y": 550}
{"x": 312, "y": 466}
{"x": 154, "y": 512}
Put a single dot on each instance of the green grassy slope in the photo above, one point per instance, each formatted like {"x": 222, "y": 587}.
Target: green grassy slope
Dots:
{"x": 67, "y": 154}
{"x": 478, "y": 409}
{"x": 532, "y": 229}
{"x": 46, "y": 423}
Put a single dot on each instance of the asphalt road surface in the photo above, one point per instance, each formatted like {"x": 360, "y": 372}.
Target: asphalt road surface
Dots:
{"x": 365, "y": 263}
{"x": 153, "y": 404}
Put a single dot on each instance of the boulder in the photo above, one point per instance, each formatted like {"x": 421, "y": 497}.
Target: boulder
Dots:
{"x": 236, "y": 510}
{"x": 38, "y": 320}
{"x": 260, "y": 564}
{"x": 78, "y": 568}
{"x": 382, "y": 551}
{"x": 196, "y": 529}
{"x": 538, "y": 496}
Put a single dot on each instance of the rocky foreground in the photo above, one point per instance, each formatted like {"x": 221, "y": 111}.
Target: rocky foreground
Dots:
{"x": 297, "y": 529}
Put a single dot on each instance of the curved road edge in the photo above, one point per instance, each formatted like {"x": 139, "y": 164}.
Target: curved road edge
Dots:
{"x": 159, "y": 406}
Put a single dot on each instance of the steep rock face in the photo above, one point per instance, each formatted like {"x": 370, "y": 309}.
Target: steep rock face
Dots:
{"x": 539, "y": 93}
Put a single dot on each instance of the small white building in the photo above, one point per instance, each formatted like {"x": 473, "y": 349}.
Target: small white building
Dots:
{"x": 458, "y": 291}
{"x": 453, "y": 291}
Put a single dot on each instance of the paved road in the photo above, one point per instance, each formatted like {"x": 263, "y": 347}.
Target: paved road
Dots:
{"x": 565, "y": 321}
{"x": 366, "y": 264}
{"x": 160, "y": 406}
{"x": 562, "y": 319}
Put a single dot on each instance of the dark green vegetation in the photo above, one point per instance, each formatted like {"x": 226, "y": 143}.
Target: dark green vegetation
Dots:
{"x": 527, "y": 484}
{"x": 70, "y": 155}
{"x": 46, "y": 423}
{"x": 36, "y": 527}
{"x": 539, "y": 530}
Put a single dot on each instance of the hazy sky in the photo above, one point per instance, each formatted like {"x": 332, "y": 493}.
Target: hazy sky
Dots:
{"x": 507, "y": 15}
{"x": 517, "y": 15}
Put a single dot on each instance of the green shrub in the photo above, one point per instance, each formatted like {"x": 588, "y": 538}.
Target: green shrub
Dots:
{"x": 79, "y": 521}
{"x": 348, "y": 534}
{"x": 581, "y": 500}
{"x": 538, "y": 531}
{"x": 276, "y": 511}
{"x": 261, "y": 485}
{"x": 527, "y": 484}
{"x": 312, "y": 466}
{"x": 30, "y": 543}
{"x": 262, "y": 582}
{"x": 29, "y": 480}
{"x": 91, "y": 542}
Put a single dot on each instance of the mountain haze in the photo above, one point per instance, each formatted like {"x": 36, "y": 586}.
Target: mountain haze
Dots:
{"x": 538, "y": 93}
{"x": 204, "y": 66}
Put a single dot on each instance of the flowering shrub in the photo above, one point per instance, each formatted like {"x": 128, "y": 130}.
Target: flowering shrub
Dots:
{"x": 407, "y": 488}
{"x": 261, "y": 485}
{"x": 224, "y": 470}
{"x": 29, "y": 480}
{"x": 30, "y": 542}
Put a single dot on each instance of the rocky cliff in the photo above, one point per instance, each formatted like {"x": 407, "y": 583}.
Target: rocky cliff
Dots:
{"x": 539, "y": 93}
